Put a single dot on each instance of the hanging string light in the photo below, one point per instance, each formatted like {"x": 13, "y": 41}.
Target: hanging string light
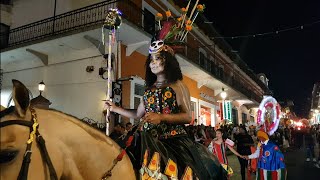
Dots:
{"x": 296, "y": 28}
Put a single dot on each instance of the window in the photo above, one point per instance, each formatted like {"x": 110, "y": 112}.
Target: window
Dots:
{"x": 6, "y": 2}
{"x": 149, "y": 22}
{"x": 235, "y": 116}
{"x": 220, "y": 71}
{"x": 244, "y": 118}
{"x": 202, "y": 58}
{"x": 214, "y": 68}
{"x": 210, "y": 64}
{"x": 4, "y": 35}
{"x": 206, "y": 113}
{"x": 138, "y": 94}
{"x": 136, "y": 91}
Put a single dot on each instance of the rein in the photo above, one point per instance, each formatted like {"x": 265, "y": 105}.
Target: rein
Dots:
{"x": 132, "y": 130}
{"x": 34, "y": 134}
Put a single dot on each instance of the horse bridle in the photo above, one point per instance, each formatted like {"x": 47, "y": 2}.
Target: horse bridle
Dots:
{"x": 34, "y": 133}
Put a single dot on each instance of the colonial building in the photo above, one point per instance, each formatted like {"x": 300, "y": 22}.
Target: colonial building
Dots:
{"x": 60, "y": 42}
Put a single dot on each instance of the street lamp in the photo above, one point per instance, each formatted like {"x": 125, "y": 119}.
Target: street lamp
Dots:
{"x": 223, "y": 94}
{"x": 41, "y": 87}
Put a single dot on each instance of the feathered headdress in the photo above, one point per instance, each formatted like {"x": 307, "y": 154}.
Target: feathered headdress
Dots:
{"x": 173, "y": 31}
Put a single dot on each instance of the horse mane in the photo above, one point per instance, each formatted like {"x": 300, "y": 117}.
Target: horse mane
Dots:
{"x": 85, "y": 126}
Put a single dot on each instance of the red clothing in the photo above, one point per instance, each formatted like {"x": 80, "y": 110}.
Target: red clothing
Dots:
{"x": 219, "y": 150}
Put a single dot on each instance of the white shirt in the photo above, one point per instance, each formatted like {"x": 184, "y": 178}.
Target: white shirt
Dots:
{"x": 257, "y": 152}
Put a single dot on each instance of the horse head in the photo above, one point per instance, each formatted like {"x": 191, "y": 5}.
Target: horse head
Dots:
{"x": 15, "y": 132}
{"x": 63, "y": 155}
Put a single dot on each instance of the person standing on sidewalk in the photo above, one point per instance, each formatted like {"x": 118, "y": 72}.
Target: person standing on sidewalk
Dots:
{"x": 310, "y": 143}
{"x": 243, "y": 141}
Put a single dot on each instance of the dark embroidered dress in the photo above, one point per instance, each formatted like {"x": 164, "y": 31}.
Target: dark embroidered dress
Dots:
{"x": 167, "y": 151}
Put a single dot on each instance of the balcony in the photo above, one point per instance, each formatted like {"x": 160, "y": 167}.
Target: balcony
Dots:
{"x": 193, "y": 56}
{"x": 78, "y": 20}
{"x": 92, "y": 18}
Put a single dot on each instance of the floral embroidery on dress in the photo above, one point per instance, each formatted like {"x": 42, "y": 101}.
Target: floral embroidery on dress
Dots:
{"x": 162, "y": 100}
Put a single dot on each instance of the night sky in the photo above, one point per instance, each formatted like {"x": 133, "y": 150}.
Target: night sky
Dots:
{"x": 290, "y": 60}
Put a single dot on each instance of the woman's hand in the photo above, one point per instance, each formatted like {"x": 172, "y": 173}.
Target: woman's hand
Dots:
{"x": 153, "y": 118}
{"x": 109, "y": 105}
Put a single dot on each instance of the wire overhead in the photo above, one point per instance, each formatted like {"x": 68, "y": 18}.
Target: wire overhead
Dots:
{"x": 296, "y": 28}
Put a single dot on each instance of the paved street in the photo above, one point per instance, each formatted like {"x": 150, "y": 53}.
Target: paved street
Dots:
{"x": 297, "y": 167}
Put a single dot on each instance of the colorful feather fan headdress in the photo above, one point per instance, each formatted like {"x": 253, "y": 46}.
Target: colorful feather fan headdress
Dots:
{"x": 173, "y": 31}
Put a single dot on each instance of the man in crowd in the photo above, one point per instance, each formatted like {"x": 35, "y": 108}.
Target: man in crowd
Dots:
{"x": 118, "y": 135}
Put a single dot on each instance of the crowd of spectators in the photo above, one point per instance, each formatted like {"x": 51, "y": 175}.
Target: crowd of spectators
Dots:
{"x": 285, "y": 136}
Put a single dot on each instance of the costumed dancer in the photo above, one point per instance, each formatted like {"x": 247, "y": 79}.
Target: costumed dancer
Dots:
{"x": 271, "y": 164}
{"x": 219, "y": 148}
{"x": 167, "y": 152}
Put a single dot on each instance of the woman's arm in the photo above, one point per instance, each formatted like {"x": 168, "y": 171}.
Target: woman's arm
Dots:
{"x": 129, "y": 113}
{"x": 234, "y": 151}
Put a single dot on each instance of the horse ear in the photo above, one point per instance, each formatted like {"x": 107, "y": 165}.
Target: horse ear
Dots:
{"x": 20, "y": 96}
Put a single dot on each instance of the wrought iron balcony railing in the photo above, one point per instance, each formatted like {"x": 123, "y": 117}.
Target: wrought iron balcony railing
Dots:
{"x": 193, "y": 55}
{"x": 73, "y": 20}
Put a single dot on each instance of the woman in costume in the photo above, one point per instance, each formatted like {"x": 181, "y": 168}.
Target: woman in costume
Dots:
{"x": 218, "y": 147}
{"x": 167, "y": 151}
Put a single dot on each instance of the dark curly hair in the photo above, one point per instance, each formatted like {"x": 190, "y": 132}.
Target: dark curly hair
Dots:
{"x": 172, "y": 69}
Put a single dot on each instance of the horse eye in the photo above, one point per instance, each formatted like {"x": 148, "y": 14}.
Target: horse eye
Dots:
{"x": 160, "y": 43}
{"x": 7, "y": 155}
{"x": 153, "y": 44}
